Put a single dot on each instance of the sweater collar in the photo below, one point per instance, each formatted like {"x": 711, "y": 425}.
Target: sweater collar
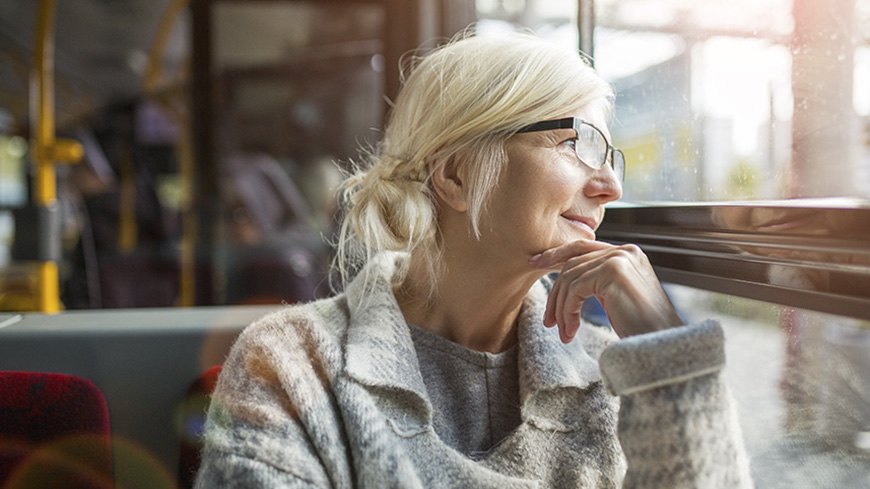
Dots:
{"x": 380, "y": 353}
{"x": 553, "y": 376}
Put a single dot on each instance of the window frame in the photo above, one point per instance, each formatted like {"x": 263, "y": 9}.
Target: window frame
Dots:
{"x": 827, "y": 256}
{"x": 812, "y": 254}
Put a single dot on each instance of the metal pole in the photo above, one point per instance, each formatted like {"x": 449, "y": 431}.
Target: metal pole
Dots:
{"x": 154, "y": 80}
{"x": 586, "y": 27}
{"x": 47, "y": 151}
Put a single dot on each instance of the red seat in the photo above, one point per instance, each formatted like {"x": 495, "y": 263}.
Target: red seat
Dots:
{"x": 193, "y": 414}
{"x": 54, "y": 432}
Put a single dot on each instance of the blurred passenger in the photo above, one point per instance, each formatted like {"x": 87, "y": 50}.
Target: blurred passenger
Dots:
{"x": 450, "y": 359}
{"x": 125, "y": 252}
{"x": 319, "y": 180}
{"x": 275, "y": 251}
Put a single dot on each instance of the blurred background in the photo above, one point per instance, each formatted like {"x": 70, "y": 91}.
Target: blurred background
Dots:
{"x": 209, "y": 138}
{"x": 213, "y": 132}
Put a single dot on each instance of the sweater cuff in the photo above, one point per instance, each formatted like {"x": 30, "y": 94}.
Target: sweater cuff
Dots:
{"x": 646, "y": 361}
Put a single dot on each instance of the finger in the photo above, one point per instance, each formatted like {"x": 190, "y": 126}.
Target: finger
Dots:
{"x": 587, "y": 259}
{"x": 573, "y": 325}
{"x": 558, "y": 311}
{"x": 554, "y": 314}
{"x": 549, "y": 312}
{"x": 579, "y": 285}
{"x": 559, "y": 254}
{"x": 587, "y": 279}
{"x": 569, "y": 298}
{"x": 573, "y": 303}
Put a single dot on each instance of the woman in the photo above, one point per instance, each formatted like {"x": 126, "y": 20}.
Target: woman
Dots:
{"x": 450, "y": 360}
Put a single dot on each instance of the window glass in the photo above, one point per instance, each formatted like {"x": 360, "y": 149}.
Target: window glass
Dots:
{"x": 801, "y": 382}
{"x": 292, "y": 104}
{"x": 551, "y": 19}
{"x": 739, "y": 99}
{"x": 149, "y": 219}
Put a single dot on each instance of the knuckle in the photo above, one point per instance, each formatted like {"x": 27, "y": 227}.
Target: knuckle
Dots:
{"x": 631, "y": 249}
{"x": 619, "y": 263}
{"x": 576, "y": 288}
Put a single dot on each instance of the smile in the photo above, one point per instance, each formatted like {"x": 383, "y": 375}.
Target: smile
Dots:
{"x": 582, "y": 224}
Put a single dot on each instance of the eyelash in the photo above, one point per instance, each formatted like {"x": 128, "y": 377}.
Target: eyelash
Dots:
{"x": 570, "y": 146}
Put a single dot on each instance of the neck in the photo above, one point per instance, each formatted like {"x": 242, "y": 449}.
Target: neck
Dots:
{"x": 476, "y": 302}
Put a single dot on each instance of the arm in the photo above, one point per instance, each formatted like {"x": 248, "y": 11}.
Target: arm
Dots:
{"x": 677, "y": 424}
{"x": 220, "y": 469}
{"x": 272, "y": 421}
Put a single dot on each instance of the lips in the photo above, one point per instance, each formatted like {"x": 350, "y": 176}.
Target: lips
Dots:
{"x": 583, "y": 224}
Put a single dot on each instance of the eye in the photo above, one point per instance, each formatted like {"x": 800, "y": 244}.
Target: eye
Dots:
{"x": 570, "y": 143}
{"x": 568, "y": 147}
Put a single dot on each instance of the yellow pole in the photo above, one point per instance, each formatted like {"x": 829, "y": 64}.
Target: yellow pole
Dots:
{"x": 153, "y": 81}
{"x": 154, "y": 73}
{"x": 46, "y": 148}
{"x": 45, "y": 191}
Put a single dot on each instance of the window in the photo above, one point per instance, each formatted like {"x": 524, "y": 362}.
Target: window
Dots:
{"x": 739, "y": 100}
{"x": 746, "y": 131}
{"x": 738, "y": 103}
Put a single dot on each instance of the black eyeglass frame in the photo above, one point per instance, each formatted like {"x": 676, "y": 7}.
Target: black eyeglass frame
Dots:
{"x": 575, "y": 123}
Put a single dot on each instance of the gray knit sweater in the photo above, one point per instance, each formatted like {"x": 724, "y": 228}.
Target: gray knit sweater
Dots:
{"x": 329, "y": 394}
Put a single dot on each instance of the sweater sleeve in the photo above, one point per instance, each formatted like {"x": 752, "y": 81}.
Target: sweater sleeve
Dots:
{"x": 267, "y": 418}
{"x": 225, "y": 470}
{"x": 677, "y": 423}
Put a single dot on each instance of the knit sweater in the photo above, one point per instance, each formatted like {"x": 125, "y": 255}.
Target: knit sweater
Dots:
{"x": 474, "y": 394}
{"x": 330, "y": 394}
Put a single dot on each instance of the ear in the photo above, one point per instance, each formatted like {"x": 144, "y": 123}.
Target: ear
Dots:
{"x": 448, "y": 184}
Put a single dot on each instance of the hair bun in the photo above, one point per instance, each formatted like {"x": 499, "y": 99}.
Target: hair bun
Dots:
{"x": 396, "y": 213}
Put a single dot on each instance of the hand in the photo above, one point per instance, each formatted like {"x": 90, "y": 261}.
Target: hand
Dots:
{"x": 620, "y": 277}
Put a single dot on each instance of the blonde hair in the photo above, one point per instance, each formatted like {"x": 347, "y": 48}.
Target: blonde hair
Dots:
{"x": 464, "y": 99}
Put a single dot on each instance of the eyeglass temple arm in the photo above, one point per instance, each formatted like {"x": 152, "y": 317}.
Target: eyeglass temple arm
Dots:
{"x": 567, "y": 123}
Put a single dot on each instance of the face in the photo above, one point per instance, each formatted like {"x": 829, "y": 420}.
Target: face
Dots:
{"x": 546, "y": 197}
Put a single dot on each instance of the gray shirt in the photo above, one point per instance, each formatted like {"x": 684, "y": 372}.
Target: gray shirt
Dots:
{"x": 474, "y": 394}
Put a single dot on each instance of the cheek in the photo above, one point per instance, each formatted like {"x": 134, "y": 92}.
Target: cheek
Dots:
{"x": 550, "y": 195}
{"x": 560, "y": 185}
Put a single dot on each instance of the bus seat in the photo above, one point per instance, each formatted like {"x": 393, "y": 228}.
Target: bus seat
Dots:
{"x": 54, "y": 432}
{"x": 192, "y": 423}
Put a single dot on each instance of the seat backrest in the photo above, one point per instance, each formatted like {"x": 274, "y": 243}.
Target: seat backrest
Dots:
{"x": 193, "y": 414}
{"x": 54, "y": 432}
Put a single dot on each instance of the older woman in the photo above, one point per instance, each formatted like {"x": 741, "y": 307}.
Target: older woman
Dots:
{"x": 450, "y": 359}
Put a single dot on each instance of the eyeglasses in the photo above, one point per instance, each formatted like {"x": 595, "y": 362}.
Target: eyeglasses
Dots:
{"x": 591, "y": 145}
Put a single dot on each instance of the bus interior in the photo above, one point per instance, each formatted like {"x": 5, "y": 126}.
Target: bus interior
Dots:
{"x": 168, "y": 172}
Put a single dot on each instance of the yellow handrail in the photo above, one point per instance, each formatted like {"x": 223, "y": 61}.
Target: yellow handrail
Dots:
{"x": 153, "y": 84}
{"x": 47, "y": 150}
{"x": 154, "y": 72}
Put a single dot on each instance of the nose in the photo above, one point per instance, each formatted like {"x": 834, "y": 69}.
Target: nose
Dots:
{"x": 603, "y": 185}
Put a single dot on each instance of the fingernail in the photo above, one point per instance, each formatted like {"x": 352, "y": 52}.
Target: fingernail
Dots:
{"x": 536, "y": 257}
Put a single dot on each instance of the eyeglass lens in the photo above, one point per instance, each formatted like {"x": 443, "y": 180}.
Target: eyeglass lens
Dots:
{"x": 591, "y": 146}
{"x": 617, "y": 162}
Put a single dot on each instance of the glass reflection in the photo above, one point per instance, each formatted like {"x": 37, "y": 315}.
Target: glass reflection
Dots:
{"x": 293, "y": 104}
{"x": 802, "y": 384}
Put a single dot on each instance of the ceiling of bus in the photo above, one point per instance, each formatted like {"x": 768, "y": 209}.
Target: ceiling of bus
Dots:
{"x": 101, "y": 52}
{"x": 103, "y": 47}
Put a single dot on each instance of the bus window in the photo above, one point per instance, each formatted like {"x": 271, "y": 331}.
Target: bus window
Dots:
{"x": 291, "y": 107}
{"x": 214, "y": 136}
{"x": 739, "y": 100}
{"x": 746, "y": 131}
